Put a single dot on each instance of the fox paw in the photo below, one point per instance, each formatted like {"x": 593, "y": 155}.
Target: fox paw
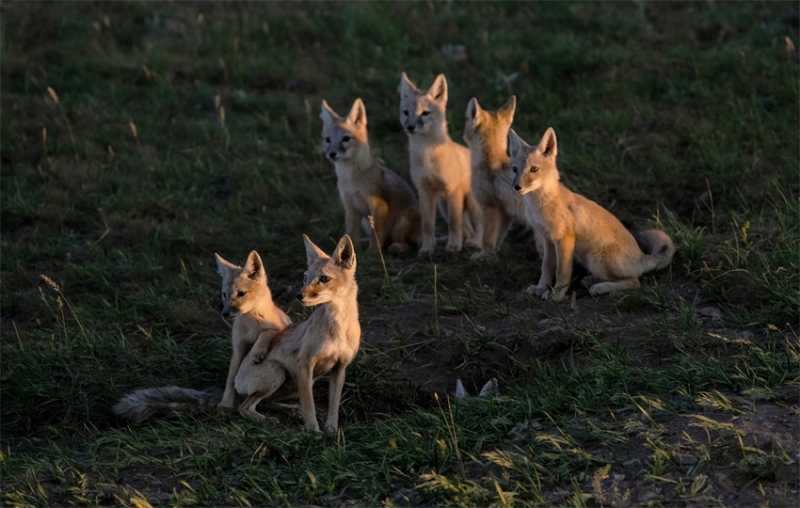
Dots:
{"x": 425, "y": 251}
{"x": 225, "y": 404}
{"x": 258, "y": 357}
{"x": 542, "y": 292}
{"x": 454, "y": 247}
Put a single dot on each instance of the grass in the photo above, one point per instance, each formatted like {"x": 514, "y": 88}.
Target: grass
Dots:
{"x": 139, "y": 139}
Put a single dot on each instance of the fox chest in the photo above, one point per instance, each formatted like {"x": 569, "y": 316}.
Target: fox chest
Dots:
{"x": 335, "y": 353}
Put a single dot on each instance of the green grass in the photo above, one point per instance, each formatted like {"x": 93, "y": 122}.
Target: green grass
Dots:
{"x": 679, "y": 115}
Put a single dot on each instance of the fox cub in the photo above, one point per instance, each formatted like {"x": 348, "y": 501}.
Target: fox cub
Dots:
{"x": 366, "y": 187}
{"x": 439, "y": 167}
{"x": 246, "y": 298}
{"x": 570, "y": 224}
{"x": 324, "y": 344}
{"x": 486, "y": 134}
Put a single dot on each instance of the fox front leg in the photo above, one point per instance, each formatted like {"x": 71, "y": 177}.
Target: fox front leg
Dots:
{"x": 305, "y": 373}
{"x": 334, "y": 399}
{"x": 352, "y": 222}
{"x": 565, "y": 247}
{"x": 237, "y": 355}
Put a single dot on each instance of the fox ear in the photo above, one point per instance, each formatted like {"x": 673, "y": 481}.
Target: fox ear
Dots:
{"x": 328, "y": 115}
{"x": 358, "y": 114}
{"x": 507, "y": 110}
{"x": 515, "y": 144}
{"x": 406, "y": 86}
{"x": 345, "y": 255}
{"x": 438, "y": 89}
{"x": 548, "y": 146}
{"x": 254, "y": 266}
{"x": 313, "y": 253}
{"x": 224, "y": 267}
{"x": 474, "y": 111}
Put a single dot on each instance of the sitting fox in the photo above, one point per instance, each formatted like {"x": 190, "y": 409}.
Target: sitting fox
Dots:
{"x": 366, "y": 187}
{"x": 486, "y": 134}
{"x": 247, "y": 299}
{"x": 324, "y": 344}
{"x": 569, "y": 224}
{"x": 439, "y": 167}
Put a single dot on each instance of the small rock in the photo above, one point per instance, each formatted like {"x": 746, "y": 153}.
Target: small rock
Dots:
{"x": 711, "y": 312}
{"x": 632, "y": 462}
{"x": 722, "y": 482}
{"x": 582, "y": 477}
{"x": 685, "y": 459}
{"x": 617, "y": 477}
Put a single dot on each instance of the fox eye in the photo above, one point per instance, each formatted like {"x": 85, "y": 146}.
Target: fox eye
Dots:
{"x": 405, "y": 112}
{"x": 241, "y": 294}
{"x": 426, "y": 113}
{"x": 324, "y": 279}
{"x": 346, "y": 139}
{"x": 514, "y": 169}
{"x": 327, "y": 140}
{"x": 534, "y": 169}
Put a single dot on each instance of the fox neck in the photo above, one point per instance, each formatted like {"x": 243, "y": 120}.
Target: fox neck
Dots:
{"x": 547, "y": 190}
{"x": 437, "y": 135}
{"x": 263, "y": 308}
{"x": 361, "y": 160}
{"x": 341, "y": 310}
{"x": 490, "y": 151}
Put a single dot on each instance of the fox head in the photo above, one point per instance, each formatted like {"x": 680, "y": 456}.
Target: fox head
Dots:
{"x": 489, "y": 129}
{"x": 533, "y": 167}
{"x": 242, "y": 287}
{"x": 343, "y": 138}
{"x": 328, "y": 278}
{"x": 420, "y": 110}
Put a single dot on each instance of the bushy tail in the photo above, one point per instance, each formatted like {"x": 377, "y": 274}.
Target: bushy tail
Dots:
{"x": 658, "y": 248}
{"x": 140, "y": 405}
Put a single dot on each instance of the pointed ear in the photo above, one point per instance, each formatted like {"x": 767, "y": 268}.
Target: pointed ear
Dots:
{"x": 474, "y": 111}
{"x": 224, "y": 267}
{"x": 406, "y": 86}
{"x": 328, "y": 115}
{"x": 345, "y": 255}
{"x": 507, "y": 110}
{"x": 515, "y": 144}
{"x": 548, "y": 146}
{"x": 254, "y": 268}
{"x": 313, "y": 253}
{"x": 358, "y": 114}
{"x": 438, "y": 89}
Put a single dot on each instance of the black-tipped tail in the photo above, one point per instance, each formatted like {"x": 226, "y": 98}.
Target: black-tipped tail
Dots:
{"x": 140, "y": 405}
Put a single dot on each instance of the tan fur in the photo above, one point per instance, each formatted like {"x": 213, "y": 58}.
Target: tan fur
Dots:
{"x": 324, "y": 344}
{"x": 486, "y": 134}
{"x": 365, "y": 186}
{"x": 246, "y": 298}
{"x": 439, "y": 167}
{"x": 568, "y": 224}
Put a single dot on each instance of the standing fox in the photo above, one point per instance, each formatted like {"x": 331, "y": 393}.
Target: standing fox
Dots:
{"x": 439, "y": 167}
{"x": 324, "y": 344}
{"x": 486, "y": 134}
{"x": 365, "y": 186}
{"x": 569, "y": 224}
{"x": 245, "y": 297}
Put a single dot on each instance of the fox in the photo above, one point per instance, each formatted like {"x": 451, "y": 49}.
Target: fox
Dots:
{"x": 486, "y": 135}
{"x": 570, "y": 225}
{"x": 287, "y": 365}
{"x": 439, "y": 167}
{"x": 366, "y": 187}
{"x": 247, "y": 299}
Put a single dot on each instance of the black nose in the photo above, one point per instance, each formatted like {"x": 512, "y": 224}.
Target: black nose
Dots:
{"x": 410, "y": 128}
{"x": 299, "y": 296}
{"x": 517, "y": 187}
{"x": 226, "y": 313}
{"x": 332, "y": 155}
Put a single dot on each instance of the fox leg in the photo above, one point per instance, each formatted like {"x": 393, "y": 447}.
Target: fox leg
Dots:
{"x": 237, "y": 354}
{"x": 352, "y": 223}
{"x": 305, "y": 382}
{"x": 427, "y": 210}
{"x": 490, "y": 219}
{"x": 401, "y": 240}
{"x": 602, "y": 288}
{"x": 335, "y": 397}
{"x": 547, "y": 250}
{"x": 565, "y": 247}
{"x": 476, "y": 216}
{"x": 379, "y": 209}
{"x": 455, "y": 239}
{"x": 271, "y": 376}
{"x": 502, "y": 229}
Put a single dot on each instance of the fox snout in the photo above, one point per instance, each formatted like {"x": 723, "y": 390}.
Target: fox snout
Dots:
{"x": 332, "y": 156}
{"x": 229, "y": 312}
{"x": 299, "y": 296}
{"x": 410, "y": 128}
